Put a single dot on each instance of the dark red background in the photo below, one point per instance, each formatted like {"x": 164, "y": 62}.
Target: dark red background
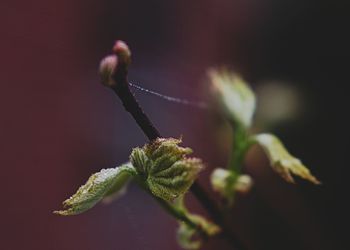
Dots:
{"x": 58, "y": 124}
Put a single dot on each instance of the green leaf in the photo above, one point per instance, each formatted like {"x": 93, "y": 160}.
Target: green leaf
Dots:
{"x": 234, "y": 95}
{"x": 185, "y": 237}
{"x": 282, "y": 161}
{"x": 188, "y": 235}
{"x": 105, "y": 183}
{"x": 165, "y": 168}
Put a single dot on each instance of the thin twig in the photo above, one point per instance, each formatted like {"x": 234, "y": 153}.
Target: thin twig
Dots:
{"x": 121, "y": 88}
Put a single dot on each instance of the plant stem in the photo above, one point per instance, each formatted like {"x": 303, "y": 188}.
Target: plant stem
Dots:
{"x": 131, "y": 105}
{"x": 216, "y": 215}
{"x": 181, "y": 216}
{"x": 238, "y": 149}
{"x": 121, "y": 88}
{"x": 241, "y": 142}
{"x": 176, "y": 212}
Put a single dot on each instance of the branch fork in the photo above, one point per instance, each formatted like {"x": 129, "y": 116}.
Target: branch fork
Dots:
{"x": 114, "y": 74}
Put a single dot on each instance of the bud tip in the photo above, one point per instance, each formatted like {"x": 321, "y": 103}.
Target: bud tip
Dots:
{"x": 244, "y": 184}
{"x": 107, "y": 69}
{"x": 121, "y": 49}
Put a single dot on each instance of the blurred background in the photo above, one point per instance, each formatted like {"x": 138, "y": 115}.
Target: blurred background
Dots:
{"x": 59, "y": 125}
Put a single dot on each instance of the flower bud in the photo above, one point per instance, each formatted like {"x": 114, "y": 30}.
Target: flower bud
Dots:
{"x": 219, "y": 179}
{"x": 107, "y": 68}
{"x": 244, "y": 184}
{"x": 122, "y": 50}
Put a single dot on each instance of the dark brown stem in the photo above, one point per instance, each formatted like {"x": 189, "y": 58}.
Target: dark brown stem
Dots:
{"x": 121, "y": 88}
{"x": 132, "y": 106}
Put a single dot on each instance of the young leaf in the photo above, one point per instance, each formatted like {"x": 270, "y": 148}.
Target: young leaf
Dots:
{"x": 164, "y": 167}
{"x": 185, "y": 237}
{"x": 102, "y": 184}
{"x": 281, "y": 160}
{"x": 186, "y": 234}
{"x": 234, "y": 95}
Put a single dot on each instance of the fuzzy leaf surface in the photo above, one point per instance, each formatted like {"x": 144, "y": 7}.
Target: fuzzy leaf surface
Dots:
{"x": 165, "y": 168}
{"x": 187, "y": 236}
{"x": 102, "y": 184}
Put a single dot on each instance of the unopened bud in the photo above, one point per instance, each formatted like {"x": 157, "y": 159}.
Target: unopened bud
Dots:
{"x": 122, "y": 50}
{"x": 107, "y": 68}
{"x": 219, "y": 179}
{"x": 244, "y": 184}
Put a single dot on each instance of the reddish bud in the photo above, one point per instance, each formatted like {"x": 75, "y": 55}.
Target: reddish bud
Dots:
{"x": 107, "y": 68}
{"x": 122, "y": 50}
